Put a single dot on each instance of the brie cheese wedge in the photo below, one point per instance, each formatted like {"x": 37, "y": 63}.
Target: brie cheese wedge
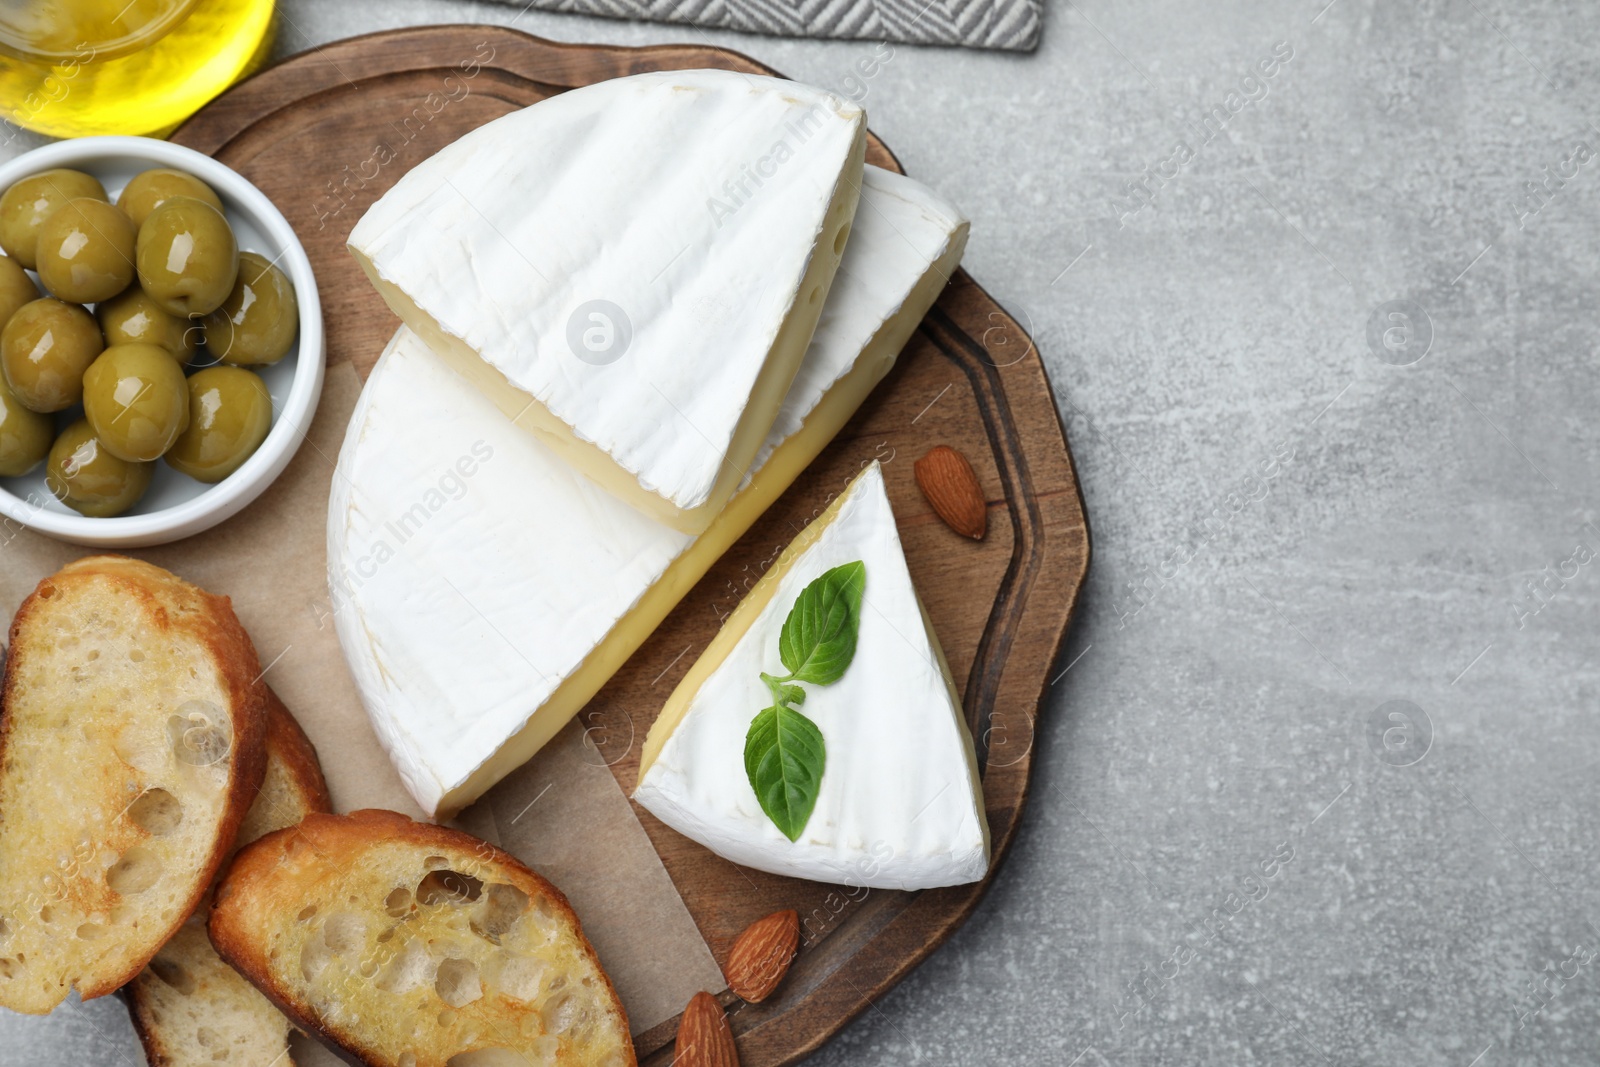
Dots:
{"x": 900, "y": 805}
{"x": 631, "y": 270}
{"x": 483, "y": 591}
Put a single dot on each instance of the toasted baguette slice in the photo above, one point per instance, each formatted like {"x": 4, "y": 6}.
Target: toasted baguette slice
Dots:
{"x": 404, "y": 944}
{"x": 293, "y": 786}
{"x": 131, "y": 745}
{"x": 189, "y": 1008}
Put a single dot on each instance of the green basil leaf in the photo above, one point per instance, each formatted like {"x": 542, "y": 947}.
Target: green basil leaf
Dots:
{"x": 784, "y": 758}
{"x": 818, "y": 639}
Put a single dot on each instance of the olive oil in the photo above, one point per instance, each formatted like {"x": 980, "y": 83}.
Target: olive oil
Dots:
{"x": 72, "y": 68}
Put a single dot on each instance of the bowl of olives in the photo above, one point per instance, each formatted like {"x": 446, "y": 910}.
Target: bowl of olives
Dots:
{"x": 161, "y": 349}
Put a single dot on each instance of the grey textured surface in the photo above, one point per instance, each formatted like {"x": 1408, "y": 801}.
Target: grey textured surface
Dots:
{"x": 1291, "y": 531}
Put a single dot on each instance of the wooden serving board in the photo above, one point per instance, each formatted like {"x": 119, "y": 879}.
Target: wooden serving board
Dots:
{"x": 327, "y": 132}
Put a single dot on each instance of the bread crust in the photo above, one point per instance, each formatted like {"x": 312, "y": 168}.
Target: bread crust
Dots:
{"x": 243, "y": 899}
{"x": 288, "y": 746}
{"x": 172, "y": 606}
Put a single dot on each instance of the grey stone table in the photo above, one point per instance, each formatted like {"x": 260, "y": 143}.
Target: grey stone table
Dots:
{"x": 1316, "y": 288}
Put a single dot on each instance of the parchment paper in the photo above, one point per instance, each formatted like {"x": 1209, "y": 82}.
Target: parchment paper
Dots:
{"x": 562, "y": 814}
{"x": 610, "y": 866}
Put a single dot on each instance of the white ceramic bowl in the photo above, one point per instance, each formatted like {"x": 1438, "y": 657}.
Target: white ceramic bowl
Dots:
{"x": 176, "y": 505}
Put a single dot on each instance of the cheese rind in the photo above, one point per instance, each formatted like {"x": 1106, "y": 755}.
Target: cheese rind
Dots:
{"x": 902, "y": 230}
{"x": 483, "y": 591}
{"x": 899, "y": 805}
{"x": 642, "y": 320}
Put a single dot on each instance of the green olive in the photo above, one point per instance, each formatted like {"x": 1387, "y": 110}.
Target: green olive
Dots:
{"x": 134, "y": 319}
{"x": 230, "y": 412}
{"x": 16, "y": 289}
{"x": 135, "y": 398}
{"x": 26, "y": 205}
{"x": 90, "y": 480}
{"x": 188, "y": 259}
{"x": 45, "y": 349}
{"x": 256, "y": 324}
{"x": 24, "y": 435}
{"x": 148, "y": 190}
{"x": 85, "y": 251}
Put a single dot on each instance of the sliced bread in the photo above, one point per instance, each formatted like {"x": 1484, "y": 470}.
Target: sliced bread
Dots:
{"x": 404, "y": 944}
{"x": 132, "y": 729}
{"x": 189, "y": 1008}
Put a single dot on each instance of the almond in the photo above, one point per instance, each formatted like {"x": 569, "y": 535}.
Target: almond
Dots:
{"x": 704, "y": 1037}
{"x": 946, "y": 479}
{"x": 761, "y": 955}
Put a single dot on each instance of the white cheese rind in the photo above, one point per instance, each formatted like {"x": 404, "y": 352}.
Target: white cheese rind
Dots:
{"x": 901, "y": 228}
{"x": 899, "y": 805}
{"x": 483, "y": 592}
{"x": 498, "y": 248}
{"x": 448, "y": 531}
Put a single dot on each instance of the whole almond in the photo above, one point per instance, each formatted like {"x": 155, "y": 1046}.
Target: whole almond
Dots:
{"x": 947, "y": 480}
{"x": 704, "y": 1037}
{"x": 760, "y": 956}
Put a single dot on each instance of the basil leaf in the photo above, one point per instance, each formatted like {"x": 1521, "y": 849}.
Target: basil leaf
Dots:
{"x": 784, "y": 757}
{"x": 819, "y": 636}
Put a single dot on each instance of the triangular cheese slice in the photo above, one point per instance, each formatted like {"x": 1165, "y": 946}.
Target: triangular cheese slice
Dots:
{"x": 483, "y": 591}
{"x": 631, "y": 270}
{"x": 900, "y": 804}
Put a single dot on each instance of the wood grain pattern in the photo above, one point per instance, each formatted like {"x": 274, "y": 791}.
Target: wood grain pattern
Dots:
{"x": 327, "y": 132}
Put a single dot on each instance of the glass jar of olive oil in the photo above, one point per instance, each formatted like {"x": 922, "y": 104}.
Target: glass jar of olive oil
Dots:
{"x": 72, "y": 68}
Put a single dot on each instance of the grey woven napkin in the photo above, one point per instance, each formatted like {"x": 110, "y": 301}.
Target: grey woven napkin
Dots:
{"x": 1004, "y": 24}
